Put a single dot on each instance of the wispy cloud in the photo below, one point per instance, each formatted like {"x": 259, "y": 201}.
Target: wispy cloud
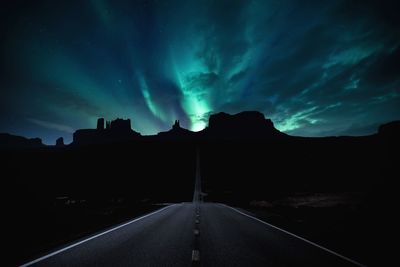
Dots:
{"x": 52, "y": 125}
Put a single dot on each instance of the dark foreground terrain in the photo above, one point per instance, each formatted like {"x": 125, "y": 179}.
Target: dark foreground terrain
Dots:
{"x": 338, "y": 192}
{"x": 55, "y": 195}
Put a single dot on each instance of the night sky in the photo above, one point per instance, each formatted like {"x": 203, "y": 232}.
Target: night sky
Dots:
{"x": 315, "y": 68}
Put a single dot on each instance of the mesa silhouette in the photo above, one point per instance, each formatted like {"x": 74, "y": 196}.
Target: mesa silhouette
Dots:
{"x": 243, "y": 126}
{"x": 118, "y": 130}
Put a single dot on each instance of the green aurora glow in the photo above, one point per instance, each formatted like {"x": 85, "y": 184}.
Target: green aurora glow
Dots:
{"x": 314, "y": 68}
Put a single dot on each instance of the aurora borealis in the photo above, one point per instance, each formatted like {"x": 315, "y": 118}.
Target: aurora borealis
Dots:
{"x": 315, "y": 68}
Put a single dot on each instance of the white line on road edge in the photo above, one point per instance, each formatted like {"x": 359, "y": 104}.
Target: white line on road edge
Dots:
{"x": 299, "y": 237}
{"x": 92, "y": 237}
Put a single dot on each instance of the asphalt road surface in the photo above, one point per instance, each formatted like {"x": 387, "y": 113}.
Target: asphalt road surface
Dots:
{"x": 193, "y": 234}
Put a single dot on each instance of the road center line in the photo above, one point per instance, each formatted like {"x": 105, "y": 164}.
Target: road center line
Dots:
{"x": 93, "y": 237}
{"x": 195, "y": 255}
{"x": 296, "y": 236}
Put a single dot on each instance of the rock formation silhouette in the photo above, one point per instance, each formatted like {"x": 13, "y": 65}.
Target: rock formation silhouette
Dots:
{"x": 178, "y": 133}
{"x": 60, "y": 142}
{"x": 118, "y": 130}
{"x": 247, "y": 124}
{"x": 176, "y": 125}
{"x": 100, "y": 124}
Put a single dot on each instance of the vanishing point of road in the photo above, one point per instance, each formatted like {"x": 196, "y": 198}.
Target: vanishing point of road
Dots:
{"x": 194, "y": 234}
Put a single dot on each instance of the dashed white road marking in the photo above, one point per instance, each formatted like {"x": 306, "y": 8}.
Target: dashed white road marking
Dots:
{"x": 195, "y": 255}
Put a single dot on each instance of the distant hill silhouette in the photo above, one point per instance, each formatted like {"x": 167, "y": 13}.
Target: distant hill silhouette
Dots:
{"x": 391, "y": 129}
{"x": 14, "y": 141}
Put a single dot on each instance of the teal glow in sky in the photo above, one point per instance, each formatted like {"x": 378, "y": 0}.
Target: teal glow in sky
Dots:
{"x": 314, "y": 67}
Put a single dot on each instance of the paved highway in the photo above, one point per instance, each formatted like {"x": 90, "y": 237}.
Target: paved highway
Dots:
{"x": 193, "y": 234}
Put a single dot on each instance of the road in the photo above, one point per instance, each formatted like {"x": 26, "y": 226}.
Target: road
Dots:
{"x": 193, "y": 234}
